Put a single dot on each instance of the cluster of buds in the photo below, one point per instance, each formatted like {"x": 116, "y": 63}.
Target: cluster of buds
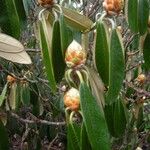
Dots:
{"x": 72, "y": 99}
{"x": 75, "y": 55}
{"x": 113, "y": 6}
{"x": 46, "y": 3}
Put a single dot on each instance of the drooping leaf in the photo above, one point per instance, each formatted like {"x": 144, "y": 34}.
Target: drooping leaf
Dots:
{"x": 25, "y": 94}
{"x": 76, "y": 20}
{"x": 34, "y": 99}
{"x": 137, "y": 15}
{"x": 132, "y": 14}
{"x": 4, "y": 142}
{"x": 94, "y": 120}
{"x": 119, "y": 119}
{"x": 11, "y": 49}
{"x": 109, "y": 115}
{"x": 57, "y": 56}
{"x": 85, "y": 144}
{"x": 2, "y": 96}
{"x": 64, "y": 34}
{"x": 116, "y": 67}
{"x": 12, "y": 96}
{"x": 73, "y": 131}
{"x": 143, "y": 15}
{"x": 101, "y": 55}
{"x": 12, "y": 23}
{"x": 146, "y": 52}
{"x": 45, "y": 42}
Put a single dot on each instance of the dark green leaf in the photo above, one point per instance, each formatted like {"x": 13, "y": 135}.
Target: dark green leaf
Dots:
{"x": 2, "y": 96}
{"x": 4, "y": 143}
{"x": 102, "y": 52}
{"x": 11, "y": 23}
{"x": 143, "y": 15}
{"x": 116, "y": 67}
{"x": 45, "y": 41}
{"x": 132, "y": 15}
{"x": 146, "y": 52}
{"x": 94, "y": 120}
{"x": 25, "y": 94}
{"x": 73, "y": 132}
{"x": 85, "y": 144}
{"x": 119, "y": 118}
{"x": 57, "y": 55}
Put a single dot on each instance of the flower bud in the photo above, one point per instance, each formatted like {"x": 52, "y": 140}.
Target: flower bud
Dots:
{"x": 141, "y": 78}
{"x": 72, "y": 99}
{"x": 75, "y": 55}
{"x": 46, "y": 3}
{"x": 113, "y": 5}
{"x": 10, "y": 79}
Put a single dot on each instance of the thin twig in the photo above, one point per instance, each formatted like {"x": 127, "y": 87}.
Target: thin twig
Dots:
{"x": 37, "y": 121}
{"x": 138, "y": 90}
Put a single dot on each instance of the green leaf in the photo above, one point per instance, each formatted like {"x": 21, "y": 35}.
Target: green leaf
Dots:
{"x": 132, "y": 15}
{"x": 146, "y": 52}
{"x": 137, "y": 15}
{"x": 57, "y": 56}
{"x": 11, "y": 24}
{"x": 102, "y": 52}
{"x": 116, "y": 67}
{"x": 25, "y": 94}
{"x": 76, "y": 20}
{"x": 94, "y": 120}
{"x": 85, "y": 144}
{"x": 73, "y": 136}
{"x": 2, "y": 96}
{"x": 109, "y": 115}
{"x": 64, "y": 34}
{"x": 143, "y": 15}
{"x": 45, "y": 42}
{"x": 34, "y": 99}
{"x": 13, "y": 96}
{"x": 4, "y": 142}
{"x": 119, "y": 119}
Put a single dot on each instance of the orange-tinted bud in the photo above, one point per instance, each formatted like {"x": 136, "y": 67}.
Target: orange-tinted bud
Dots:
{"x": 72, "y": 99}
{"x": 113, "y": 5}
{"x": 46, "y": 3}
{"x": 75, "y": 55}
{"x": 141, "y": 78}
{"x": 10, "y": 79}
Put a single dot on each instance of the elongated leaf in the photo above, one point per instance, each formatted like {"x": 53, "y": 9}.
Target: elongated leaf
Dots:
{"x": 143, "y": 15}
{"x": 102, "y": 52}
{"x": 11, "y": 25}
{"x": 119, "y": 118}
{"x": 57, "y": 56}
{"x": 146, "y": 52}
{"x": 11, "y": 49}
{"x": 64, "y": 35}
{"x": 45, "y": 42}
{"x": 132, "y": 14}
{"x": 85, "y": 144}
{"x": 12, "y": 96}
{"x": 94, "y": 120}
{"x": 72, "y": 137}
{"x": 109, "y": 115}
{"x": 137, "y": 15}
{"x": 25, "y": 94}
{"x": 4, "y": 143}
{"x": 2, "y": 96}
{"x": 76, "y": 20}
{"x": 116, "y": 67}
